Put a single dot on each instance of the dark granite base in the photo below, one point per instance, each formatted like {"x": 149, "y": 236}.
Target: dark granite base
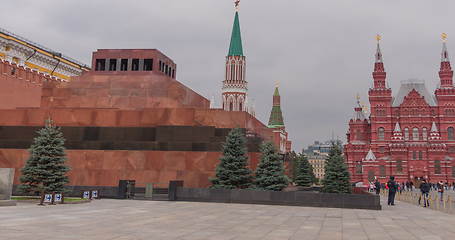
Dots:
{"x": 298, "y": 198}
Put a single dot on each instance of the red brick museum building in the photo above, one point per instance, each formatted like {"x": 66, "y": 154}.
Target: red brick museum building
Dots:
{"x": 409, "y": 134}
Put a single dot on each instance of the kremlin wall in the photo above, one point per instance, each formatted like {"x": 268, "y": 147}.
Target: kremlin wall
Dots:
{"x": 128, "y": 118}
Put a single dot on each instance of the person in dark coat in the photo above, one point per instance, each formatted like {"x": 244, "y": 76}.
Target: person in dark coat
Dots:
{"x": 392, "y": 190}
{"x": 377, "y": 186}
{"x": 425, "y": 190}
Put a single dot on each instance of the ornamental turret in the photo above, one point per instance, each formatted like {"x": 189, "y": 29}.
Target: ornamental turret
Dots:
{"x": 434, "y": 133}
{"x": 379, "y": 75}
{"x": 235, "y": 87}
{"x": 358, "y": 125}
{"x": 445, "y": 72}
{"x": 397, "y": 134}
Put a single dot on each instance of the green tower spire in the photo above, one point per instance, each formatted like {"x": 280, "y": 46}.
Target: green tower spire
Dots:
{"x": 276, "y": 116}
{"x": 236, "y": 49}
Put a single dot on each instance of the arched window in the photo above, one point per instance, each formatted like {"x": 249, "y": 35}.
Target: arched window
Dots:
{"x": 358, "y": 168}
{"x": 406, "y": 134}
{"x": 240, "y": 106}
{"x": 358, "y": 135}
{"x": 424, "y": 134}
{"x": 382, "y": 171}
{"x": 231, "y": 106}
{"x": 437, "y": 167}
{"x": 450, "y": 133}
{"x": 381, "y": 134}
{"x": 399, "y": 166}
{"x": 415, "y": 134}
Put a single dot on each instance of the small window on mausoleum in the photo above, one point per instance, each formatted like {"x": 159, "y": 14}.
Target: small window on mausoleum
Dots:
{"x": 135, "y": 64}
{"x": 100, "y": 65}
{"x": 148, "y": 64}
{"x": 124, "y": 65}
{"x": 112, "y": 64}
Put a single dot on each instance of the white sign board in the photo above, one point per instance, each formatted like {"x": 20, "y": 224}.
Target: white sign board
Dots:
{"x": 95, "y": 194}
{"x": 48, "y": 198}
{"x": 58, "y": 197}
{"x": 87, "y": 194}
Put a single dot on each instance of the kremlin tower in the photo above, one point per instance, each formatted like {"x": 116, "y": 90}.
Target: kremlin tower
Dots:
{"x": 277, "y": 124}
{"x": 235, "y": 88}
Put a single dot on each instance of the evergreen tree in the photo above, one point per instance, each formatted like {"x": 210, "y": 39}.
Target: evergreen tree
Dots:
{"x": 337, "y": 179}
{"x": 293, "y": 164}
{"x": 315, "y": 179}
{"x": 270, "y": 170}
{"x": 305, "y": 176}
{"x": 233, "y": 171}
{"x": 45, "y": 170}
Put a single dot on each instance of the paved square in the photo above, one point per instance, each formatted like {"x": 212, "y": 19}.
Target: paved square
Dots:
{"x": 128, "y": 219}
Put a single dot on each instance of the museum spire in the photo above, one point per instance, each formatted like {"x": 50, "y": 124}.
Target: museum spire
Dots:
{"x": 379, "y": 75}
{"x": 445, "y": 73}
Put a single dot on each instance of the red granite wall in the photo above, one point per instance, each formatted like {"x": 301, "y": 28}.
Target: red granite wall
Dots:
{"x": 135, "y": 118}
{"x": 106, "y": 168}
{"x": 132, "y": 90}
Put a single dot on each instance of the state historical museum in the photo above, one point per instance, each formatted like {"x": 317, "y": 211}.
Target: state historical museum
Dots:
{"x": 409, "y": 135}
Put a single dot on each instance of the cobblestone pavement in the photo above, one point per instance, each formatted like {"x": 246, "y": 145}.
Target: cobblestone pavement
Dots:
{"x": 122, "y": 219}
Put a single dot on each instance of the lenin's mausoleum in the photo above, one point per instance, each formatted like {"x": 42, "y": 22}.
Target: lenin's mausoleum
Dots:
{"x": 409, "y": 135}
{"x": 126, "y": 117}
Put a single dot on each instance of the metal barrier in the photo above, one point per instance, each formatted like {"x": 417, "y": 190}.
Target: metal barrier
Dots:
{"x": 446, "y": 204}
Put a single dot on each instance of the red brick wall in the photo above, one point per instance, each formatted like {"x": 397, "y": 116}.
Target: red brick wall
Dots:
{"x": 19, "y": 87}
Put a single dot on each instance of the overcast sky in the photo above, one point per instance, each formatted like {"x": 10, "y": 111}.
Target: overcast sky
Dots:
{"x": 321, "y": 51}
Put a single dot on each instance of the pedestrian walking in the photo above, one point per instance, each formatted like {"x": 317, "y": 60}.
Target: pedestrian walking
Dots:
{"x": 440, "y": 187}
{"x": 424, "y": 192}
{"x": 392, "y": 185}
{"x": 377, "y": 186}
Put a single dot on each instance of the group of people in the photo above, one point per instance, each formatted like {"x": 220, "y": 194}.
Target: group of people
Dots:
{"x": 425, "y": 188}
{"x": 391, "y": 185}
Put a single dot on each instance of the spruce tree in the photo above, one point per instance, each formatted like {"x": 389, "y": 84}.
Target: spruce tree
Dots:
{"x": 45, "y": 170}
{"x": 313, "y": 176}
{"x": 305, "y": 176}
{"x": 293, "y": 164}
{"x": 337, "y": 179}
{"x": 232, "y": 172}
{"x": 270, "y": 170}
